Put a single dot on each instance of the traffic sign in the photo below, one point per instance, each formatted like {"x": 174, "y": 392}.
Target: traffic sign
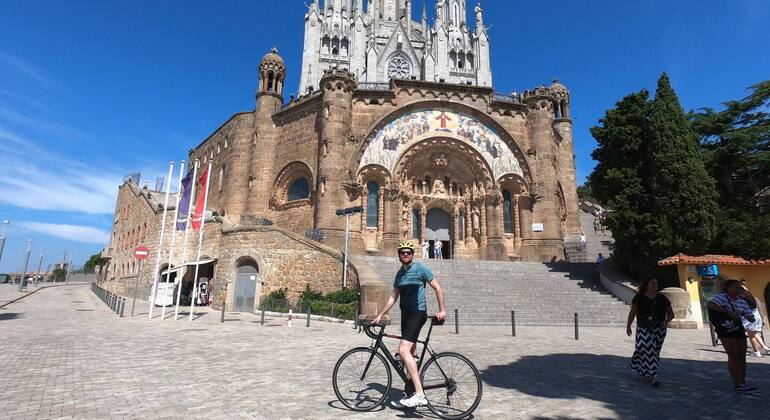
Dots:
{"x": 141, "y": 253}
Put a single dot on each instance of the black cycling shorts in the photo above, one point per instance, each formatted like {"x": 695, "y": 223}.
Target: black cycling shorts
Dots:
{"x": 411, "y": 324}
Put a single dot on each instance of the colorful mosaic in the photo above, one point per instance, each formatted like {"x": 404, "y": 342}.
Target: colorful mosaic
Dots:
{"x": 390, "y": 142}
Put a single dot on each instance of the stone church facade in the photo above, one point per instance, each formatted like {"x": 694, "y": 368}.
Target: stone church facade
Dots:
{"x": 429, "y": 152}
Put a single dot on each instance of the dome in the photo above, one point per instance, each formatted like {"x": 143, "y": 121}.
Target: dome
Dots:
{"x": 556, "y": 86}
{"x": 272, "y": 58}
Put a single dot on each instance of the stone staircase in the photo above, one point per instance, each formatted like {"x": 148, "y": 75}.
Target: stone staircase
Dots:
{"x": 595, "y": 243}
{"x": 485, "y": 292}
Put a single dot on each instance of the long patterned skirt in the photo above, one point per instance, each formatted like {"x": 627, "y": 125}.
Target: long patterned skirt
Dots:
{"x": 649, "y": 342}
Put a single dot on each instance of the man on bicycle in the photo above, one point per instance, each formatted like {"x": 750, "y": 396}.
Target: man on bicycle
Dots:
{"x": 410, "y": 286}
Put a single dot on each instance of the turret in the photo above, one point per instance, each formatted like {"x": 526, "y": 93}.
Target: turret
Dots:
{"x": 566, "y": 170}
{"x": 272, "y": 73}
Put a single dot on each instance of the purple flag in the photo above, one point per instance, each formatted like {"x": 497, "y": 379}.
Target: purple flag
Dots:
{"x": 184, "y": 202}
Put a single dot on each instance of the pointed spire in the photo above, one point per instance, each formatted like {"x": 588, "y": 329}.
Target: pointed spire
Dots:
{"x": 425, "y": 18}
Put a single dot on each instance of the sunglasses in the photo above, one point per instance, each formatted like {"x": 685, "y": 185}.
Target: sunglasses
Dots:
{"x": 405, "y": 253}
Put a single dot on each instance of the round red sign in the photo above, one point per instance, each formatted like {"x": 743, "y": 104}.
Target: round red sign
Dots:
{"x": 141, "y": 252}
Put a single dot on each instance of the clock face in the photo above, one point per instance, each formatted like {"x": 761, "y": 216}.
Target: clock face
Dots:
{"x": 399, "y": 68}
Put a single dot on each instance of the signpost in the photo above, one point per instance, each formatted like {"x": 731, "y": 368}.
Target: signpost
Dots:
{"x": 347, "y": 213}
{"x": 140, "y": 253}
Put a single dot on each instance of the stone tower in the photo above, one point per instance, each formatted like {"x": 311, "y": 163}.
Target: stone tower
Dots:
{"x": 272, "y": 73}
{"x": 383, "y": 42}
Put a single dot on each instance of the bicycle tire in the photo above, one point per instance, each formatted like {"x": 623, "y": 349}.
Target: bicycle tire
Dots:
{"x": 357, "y": 359}
{"x": 461, "y": 374}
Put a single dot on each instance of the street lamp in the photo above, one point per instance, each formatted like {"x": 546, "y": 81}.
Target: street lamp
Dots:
{"x": 3, "y": 233}
{"x": 347, "y": 213}
{"x": 26, "y": 264}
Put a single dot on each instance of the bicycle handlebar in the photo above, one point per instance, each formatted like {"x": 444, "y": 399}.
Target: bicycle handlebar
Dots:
{"x": 368, "y": 326}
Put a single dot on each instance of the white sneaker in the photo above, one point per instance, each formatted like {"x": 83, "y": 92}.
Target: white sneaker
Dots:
{"x": 756, "y": 354}
{"x": 415, "y": 400}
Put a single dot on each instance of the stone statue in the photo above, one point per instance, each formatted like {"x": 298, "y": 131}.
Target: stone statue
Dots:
{"x": 438, "y": 187}
{"x": 479, "y": 15}
{"x": 476, "y": 222}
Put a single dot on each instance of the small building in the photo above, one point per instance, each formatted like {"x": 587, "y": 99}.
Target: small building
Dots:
{"x": 703, "y": 277}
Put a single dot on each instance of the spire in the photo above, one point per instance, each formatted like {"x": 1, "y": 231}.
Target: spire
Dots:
{"x": 425, "y": 18}
{"x": 408, "y": 15}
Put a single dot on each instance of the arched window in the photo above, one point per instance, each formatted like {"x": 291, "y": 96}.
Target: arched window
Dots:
{"x": 453, "y": 58}
{"x": 299, "y": 190}
{"x": 471, "y": 61}
{"x": 456, "y": 13}
{"x": 372, "y": 204}
{"x": 270, "y": 77}
{"x": 416, "y": 228}
{"x": 507, "y": 217}
{"x": 461, "y": 60}
{"x": 221, "y": 177}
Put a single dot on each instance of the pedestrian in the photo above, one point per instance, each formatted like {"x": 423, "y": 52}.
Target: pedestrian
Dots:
{"x": 596, "y": 226}
{"x": 582, "y": 238}
{"x": 754, "y": 329}
{"x": 425, "y": 247}
{"x": 599, "y": 260}
{"x": 653, "y": 312}
{"x": 437, "y": 250}
{"x": 725, "y": 311}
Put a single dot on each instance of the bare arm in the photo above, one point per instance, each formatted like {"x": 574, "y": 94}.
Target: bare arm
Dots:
{"x": 669, "y": 316}
{"x": 391, "y": 301}
{"x": 631, "y": 315}
{"x": 441, "y": 315}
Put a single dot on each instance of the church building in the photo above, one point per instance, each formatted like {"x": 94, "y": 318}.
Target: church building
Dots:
{"x": 396, "y": 115}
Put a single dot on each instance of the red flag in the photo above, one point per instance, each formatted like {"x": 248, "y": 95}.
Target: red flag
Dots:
{"x": 197, "y": 217}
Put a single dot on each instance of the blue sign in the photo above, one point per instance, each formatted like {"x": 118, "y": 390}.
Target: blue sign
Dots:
{"x": 711, "y": 270}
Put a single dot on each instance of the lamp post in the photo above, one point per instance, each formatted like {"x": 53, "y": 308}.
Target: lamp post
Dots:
{"x": 26, "y": 264}
{"x": 3, "y": 233}
{"x": 347, "y": 213}
{"x": 39, "y": 266}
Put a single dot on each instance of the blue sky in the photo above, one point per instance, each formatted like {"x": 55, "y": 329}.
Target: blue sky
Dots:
{"x": 93, "y": 90}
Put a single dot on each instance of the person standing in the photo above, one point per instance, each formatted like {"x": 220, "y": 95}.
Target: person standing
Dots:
{"x": 425, "y": 248}
{"x": 725, "y": 311}
{"x": 409, "y": 285}
{"x": 438, "y": 250}
{"x": 753, "y": 329}
{"x": 653, "y": 312}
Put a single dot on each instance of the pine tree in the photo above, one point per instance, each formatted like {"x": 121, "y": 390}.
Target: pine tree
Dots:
{"x": 683, "y": 193}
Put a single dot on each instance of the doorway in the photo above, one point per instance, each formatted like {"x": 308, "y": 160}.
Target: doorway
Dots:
{"x": 438, "y": 225}
{"x": 767, "y": 301}
{"x": 247, "y": 286}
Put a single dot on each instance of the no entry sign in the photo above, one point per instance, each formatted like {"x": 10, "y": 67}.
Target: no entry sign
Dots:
{"x": 141, "y": 252}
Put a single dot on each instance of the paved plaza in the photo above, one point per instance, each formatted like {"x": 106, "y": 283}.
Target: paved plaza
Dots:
{"x": 65, "y": 355}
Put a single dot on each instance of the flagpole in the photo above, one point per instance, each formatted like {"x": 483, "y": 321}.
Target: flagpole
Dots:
{"x": 186, "y": 235}
{"x": 160, "y": 241}
{"x": 200, "y": 239}
{"x": 173, "y": 239}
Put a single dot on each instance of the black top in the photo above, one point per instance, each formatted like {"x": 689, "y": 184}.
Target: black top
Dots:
{"x": 651, "y": 312}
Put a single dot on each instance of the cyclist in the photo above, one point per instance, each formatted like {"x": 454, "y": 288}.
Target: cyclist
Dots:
{"x": 410, "y": 286}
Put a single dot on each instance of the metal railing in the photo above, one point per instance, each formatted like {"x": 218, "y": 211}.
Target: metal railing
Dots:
{"x": 380, "y": 86}
{"x": 514, "y": 99}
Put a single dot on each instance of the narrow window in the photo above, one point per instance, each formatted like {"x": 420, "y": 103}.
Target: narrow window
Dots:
{"x": 372, "y": 204}
{"x": 507, "y": 219}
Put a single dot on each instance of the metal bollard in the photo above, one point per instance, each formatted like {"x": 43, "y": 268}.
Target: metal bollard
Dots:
{"x": 713, "y": 335}
{"x": 262, "y": 318}
{"x": 307, "y": 324}
{"x": 333, "y": 314}
{"x": 222, "y": 314}
{"x": 457, "y": 322}
{"x": 355, "y": 320}
{"x": 513, "y": 323}
{"x": 122, "y": 307}
{"x": 577, "y": 333}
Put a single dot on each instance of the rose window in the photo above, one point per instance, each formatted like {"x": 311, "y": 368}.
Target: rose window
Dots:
{"x": 399, "y": 68}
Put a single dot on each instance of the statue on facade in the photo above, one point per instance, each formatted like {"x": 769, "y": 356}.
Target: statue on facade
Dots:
{"x": 479, "y": 15}
{"x": 439, "y": 188}
{"x": 475, "y": 220}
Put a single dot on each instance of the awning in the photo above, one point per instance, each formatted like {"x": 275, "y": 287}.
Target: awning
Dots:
{"x": 187, "y": 264}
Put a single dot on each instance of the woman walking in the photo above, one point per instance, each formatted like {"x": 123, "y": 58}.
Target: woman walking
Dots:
{"x": 725, "y": 312}
{"x": 754, "y": 329}
{"x": 653, "y": 312}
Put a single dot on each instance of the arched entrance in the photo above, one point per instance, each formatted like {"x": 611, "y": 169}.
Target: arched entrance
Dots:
{"x": 438, "y": 226}
{"x": 767, "y": 300}
{"x": 247, "y": 288}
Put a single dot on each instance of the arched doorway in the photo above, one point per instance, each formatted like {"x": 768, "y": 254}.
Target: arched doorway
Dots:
{"x": 247, "y": 286}
{"x": 438, "y": 225}
{"x": 767, "y": 301}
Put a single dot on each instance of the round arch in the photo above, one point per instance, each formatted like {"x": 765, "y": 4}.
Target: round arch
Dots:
{"x": 447, "y": 106}
{"x": 286, "y": 177}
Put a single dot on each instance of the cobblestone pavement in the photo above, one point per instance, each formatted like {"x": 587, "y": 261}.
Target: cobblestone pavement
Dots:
{"x": 63, "y": 354}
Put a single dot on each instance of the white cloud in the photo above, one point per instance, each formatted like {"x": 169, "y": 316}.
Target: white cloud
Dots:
{"x": 19, "y": 67}
{"x": 75, "y": 233}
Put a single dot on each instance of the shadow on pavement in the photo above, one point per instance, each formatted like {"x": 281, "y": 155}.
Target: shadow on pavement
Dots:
{"x": 687, "y": 384}
{"x": 10, "y": 315}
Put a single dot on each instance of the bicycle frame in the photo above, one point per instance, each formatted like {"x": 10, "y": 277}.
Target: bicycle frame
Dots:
{"x": 380, "y": 346}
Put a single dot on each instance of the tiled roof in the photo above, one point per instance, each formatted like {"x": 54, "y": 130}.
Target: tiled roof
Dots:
{"x": 710, "y": 259}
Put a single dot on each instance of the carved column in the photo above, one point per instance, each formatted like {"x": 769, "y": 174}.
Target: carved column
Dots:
{"x": 516, "y": 222}
{"x": 495, "y": 248}
{"x": 423, "y": 221}
{"x": 390, "y": 215}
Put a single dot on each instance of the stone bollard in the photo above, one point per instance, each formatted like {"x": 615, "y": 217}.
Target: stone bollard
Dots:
{"x": 291, "y": 312}
{"x": 682, "y": 307}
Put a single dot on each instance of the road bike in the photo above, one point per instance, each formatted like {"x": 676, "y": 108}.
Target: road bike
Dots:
{"x": 362, "y": 377}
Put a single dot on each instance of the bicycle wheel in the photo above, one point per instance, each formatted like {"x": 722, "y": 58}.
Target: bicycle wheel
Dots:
{"x": 452, "y": 385}
{"x": 359, "y": 390}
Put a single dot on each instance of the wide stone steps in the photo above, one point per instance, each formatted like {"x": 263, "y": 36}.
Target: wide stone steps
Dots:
{"x": 485, "y": 292}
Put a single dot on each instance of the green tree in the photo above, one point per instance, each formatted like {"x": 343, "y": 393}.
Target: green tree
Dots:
{"x": 92, "y": 262}
{"x": 736, "y": 142}
{"x": 683, "y": 193}
{"x": 617, "y": 181}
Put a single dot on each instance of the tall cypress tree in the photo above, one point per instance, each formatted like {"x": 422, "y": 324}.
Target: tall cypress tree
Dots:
{"x": 683, "y": 193}
{"x": 617, "y": 181}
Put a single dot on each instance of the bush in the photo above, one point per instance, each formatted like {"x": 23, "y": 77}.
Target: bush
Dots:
{"x": 309, "y": 295}
{"x": 343, "y": 296}
{"x": 280, "y": 294}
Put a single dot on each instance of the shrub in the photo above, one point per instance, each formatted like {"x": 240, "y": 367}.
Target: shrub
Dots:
{"x": 280, "y": 294}
{"x": 343, "y": 296}
{"x": 309, "y": 295}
